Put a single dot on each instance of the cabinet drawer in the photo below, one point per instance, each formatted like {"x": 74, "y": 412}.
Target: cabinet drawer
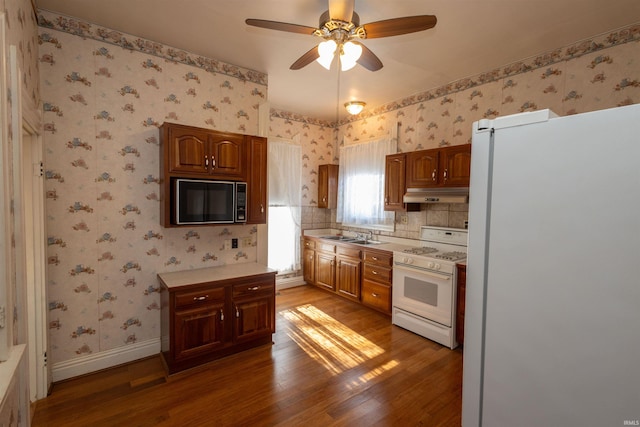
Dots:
{"x": 253, "y": 289}
{"x": 325, "y": 247}
{"x": 377, "y": 273}
{"x": 378, "y": 258}
{"x": 204, "y": 296}
{"x": 349, "y": 251}
{"x": 376, "y": 295}
{"x": 309, "y": 244}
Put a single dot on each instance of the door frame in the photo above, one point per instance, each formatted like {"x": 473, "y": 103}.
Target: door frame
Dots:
{"x": 31, "y": 277}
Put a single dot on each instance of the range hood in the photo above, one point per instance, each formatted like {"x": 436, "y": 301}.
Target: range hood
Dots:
{"x": 437, "y": 195}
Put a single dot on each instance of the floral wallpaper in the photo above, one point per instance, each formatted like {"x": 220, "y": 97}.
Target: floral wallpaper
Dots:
{"x": 594, "y": 74}
{"x": 104, "y": 95}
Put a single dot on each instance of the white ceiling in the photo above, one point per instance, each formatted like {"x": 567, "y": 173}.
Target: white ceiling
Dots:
{"x": 471, "y": 37}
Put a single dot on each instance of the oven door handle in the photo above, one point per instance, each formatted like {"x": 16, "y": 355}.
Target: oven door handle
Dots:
{"x": 425, "y": 271}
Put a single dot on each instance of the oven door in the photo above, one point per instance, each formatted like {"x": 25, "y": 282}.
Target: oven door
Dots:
{"x": 423, "y": 293}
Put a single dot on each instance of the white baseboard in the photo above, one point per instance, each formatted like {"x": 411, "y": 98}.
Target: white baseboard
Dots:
{"x": 104, "y": 359}
{"x": 290, "y": 282}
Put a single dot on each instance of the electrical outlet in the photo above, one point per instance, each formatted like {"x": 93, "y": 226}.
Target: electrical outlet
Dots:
{"x": 227, "y": 244}
{"x": 246, "y": 241}
{"x": 404, "y": 219}
{"x": 234, "y": 243}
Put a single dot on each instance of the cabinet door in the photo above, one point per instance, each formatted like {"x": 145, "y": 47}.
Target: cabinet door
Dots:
{"x": 198, "y": 331}
{"x": 455, "y": 165}
{"x": 308, "y": 266}
{"x": 257, "y": 180}
{"x": 348, "y": 278}
{"x": 188, "y": 150}
{"x": 254, "y": 318}
{"x": 376, "y": 295}
{"x": 328, "y": 186}
{"x": 226, "y": 155}
{"x": 326, "y": 271}
{"x": 422, "y": 168}
{"x": 394, "y": 182}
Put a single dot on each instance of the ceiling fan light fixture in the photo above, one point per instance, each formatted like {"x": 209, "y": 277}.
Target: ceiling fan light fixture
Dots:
{"x": 349, "y": 53}
{"x": 354, "y": 107}
{"x": 326, "y": 50}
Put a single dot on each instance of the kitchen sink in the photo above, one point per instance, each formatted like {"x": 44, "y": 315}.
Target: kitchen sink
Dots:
{"x": 346, "y": 239}
{"x": 341, "y": 238}
{"x": 366, "y": 242}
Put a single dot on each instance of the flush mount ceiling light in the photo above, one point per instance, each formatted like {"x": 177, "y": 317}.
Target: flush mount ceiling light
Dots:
{"x": 354, "y": 107}
{"x": 340, "y": 29}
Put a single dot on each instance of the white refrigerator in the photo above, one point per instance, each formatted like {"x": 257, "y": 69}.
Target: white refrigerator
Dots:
{"x": 552, "y": 323}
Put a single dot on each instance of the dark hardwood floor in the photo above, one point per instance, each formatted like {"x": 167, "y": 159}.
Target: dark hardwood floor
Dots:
{"x": 332, "y": 363}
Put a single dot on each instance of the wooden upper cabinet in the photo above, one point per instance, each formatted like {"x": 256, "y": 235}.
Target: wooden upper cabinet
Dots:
{"x": 196, "y": 151}
{"x": 328, "y": 186}
{"x": 257, "y": 180}
{"x": 188, "y": 149}
{"x": 422, "y": 168}
{"x": 456, "y": 165}
{"x": 440, "y": 167}
{"x": 395, "y": 183}
{"x": 226, "y": 155}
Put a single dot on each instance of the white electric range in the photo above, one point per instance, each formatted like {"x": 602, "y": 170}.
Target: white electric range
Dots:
{"x": 424, "y": 284}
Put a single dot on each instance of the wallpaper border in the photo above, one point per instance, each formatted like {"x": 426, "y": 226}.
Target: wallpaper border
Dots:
{"x": 56, "y": 21}
{"x": 596, "y": 43}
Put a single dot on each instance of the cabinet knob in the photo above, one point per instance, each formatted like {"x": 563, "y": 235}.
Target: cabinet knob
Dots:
{"x": 445, "y": 174}
{"x": 261, "y": 208}
{"x": 375, "y": 258}
{"x": 373, "y": 294}
{"x": 255, "y": 288}
{"x": 434, "y": 175}
{"x": 201, "y": 298}
{"x": 206, "y": 161}
{"x": 374, "y": 272}
{"x": 221, "y": 315}
{"x": 213, "y": 162}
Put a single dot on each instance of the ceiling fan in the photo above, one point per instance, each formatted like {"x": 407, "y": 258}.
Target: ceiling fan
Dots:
{"x": 341, "y": 31}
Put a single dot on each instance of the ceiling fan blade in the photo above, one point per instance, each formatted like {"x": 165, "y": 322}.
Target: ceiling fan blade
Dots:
{"x": 306, "y": 59}
{"x": 399, "y": 26}
{"x": 280, "y": 26}
{"x": 368, "y": 59}
{"x": 341, "y": 10}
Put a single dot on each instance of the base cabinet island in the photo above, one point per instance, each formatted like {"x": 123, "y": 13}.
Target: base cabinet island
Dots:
{"x": 213, "y": 312}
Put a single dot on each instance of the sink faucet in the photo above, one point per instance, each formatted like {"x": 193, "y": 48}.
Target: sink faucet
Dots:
{"x": 369, "y": 236}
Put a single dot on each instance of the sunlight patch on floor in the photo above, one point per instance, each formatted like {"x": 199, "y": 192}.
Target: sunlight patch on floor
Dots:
{"x": 331, "y": 343}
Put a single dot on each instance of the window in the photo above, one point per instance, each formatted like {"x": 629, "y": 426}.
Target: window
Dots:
{"x": 284, "y": 206}
{"x": 361, "y": 181}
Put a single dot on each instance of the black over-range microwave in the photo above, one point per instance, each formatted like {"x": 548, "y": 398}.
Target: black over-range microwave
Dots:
{"x": 210, "y": 202}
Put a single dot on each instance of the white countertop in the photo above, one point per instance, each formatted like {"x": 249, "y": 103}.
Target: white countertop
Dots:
{"x": 176, "y": 279}
{"x": 391, "y": 244}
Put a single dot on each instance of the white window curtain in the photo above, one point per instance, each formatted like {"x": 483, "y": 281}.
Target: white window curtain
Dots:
{"x": 361, "y": 182}
{"x": 285, "y": 188}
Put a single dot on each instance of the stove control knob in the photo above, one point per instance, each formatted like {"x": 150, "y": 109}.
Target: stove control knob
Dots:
{"x": 408, "y": 260}
{"x": 430, "y": 265}
{"x": 437, "y": 266}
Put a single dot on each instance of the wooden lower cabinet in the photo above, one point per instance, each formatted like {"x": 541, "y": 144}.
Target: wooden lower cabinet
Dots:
{"x": 349, "y": 270}
{"x": 377, "y": 280}
{"x": 325, "y": 266}
{"x": 199, "y": 325}
{"x": 254, "y": 311}
{"x": 204, "y": 321}
{"x": 460, "y": 306}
